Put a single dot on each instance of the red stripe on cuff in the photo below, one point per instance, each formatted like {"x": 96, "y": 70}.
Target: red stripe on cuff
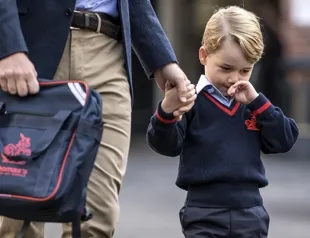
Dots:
{"x": 262, "y": 108}
{"x": 168, "y": 121}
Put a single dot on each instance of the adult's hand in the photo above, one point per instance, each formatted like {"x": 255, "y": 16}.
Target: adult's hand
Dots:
{"x": 175, "y": 76}
{"x": 18, "y": 75}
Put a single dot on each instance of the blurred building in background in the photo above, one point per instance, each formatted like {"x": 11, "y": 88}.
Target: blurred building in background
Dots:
{"x": 283, "y": 74}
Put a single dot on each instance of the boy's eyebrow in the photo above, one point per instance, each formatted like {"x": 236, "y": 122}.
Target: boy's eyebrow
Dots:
{"x": 231, "y": 66}
{"x": 227, "y": 65}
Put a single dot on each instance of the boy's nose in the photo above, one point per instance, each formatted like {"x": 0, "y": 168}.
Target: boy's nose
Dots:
{"x": 233, "y": 80}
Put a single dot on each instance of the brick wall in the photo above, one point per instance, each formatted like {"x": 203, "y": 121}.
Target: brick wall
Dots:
{"x": 297, "y": 47}
{"x": 296, "y": 39}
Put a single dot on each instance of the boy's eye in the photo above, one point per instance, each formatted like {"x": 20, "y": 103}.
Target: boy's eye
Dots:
{"x": 245, "y": 71}
{"x": 224, "y": 68}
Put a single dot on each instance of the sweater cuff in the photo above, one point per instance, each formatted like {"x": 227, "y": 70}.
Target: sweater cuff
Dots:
{"x": 260, "y": 105}
{"x": 164, "y": 117}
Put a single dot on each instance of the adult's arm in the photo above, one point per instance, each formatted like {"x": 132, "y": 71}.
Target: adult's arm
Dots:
{"x": 149, "y": 40}
{"x": 11, "y": 36}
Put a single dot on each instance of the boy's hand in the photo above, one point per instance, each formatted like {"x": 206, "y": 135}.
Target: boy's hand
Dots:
{"x": 243, "y": 92}
{"x": 172, "y": 102}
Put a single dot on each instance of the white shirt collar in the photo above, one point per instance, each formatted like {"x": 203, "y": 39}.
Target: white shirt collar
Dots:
{"x": 202, "y": 83}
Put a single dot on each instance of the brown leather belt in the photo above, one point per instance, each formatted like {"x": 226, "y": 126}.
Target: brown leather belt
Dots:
{"x": 98, "y": 22}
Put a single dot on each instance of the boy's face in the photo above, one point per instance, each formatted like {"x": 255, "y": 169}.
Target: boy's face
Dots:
{"x": 226, "y": 66}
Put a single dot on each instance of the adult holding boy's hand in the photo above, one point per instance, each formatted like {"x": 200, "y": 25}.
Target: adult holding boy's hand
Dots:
{"x": 175, "y": 76}
{"x": 171, "y": 101}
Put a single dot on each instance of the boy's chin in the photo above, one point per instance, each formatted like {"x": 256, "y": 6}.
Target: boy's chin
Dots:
{"x": 224, "y": 92}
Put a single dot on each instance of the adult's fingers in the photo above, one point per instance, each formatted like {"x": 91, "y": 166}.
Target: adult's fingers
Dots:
{"x": 4, "y": 84}
{"x": 12, "y": 89}
{"x": 191, "y": 92}
{"x": 181, "y": 89}
{"x": 32, "y": 84}
{"x": 22, "y": 88}
{"x": 18, "y": 75}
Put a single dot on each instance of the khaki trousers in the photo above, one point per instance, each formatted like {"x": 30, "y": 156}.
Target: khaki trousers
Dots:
{"x": 99, "y": 61}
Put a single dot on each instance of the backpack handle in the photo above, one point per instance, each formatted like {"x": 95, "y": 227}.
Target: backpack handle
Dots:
{"x": 55, "y": 124}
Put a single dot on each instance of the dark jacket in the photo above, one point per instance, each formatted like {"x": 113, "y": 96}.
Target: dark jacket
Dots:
{"x": 41, "y": 27}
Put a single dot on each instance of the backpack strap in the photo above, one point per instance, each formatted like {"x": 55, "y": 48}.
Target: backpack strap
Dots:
{"x": 76, "y": 228}
{"x": 23, "y": 230}
{"x": 76, "y": 223}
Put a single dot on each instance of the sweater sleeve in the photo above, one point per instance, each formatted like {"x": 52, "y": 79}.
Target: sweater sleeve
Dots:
{"x": 165, "y": 135}
{"x": 278, "y": 133}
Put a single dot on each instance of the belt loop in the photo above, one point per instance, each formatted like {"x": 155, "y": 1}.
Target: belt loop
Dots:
{"x": 86, "y": 19}
{"x": 99, "y": 22}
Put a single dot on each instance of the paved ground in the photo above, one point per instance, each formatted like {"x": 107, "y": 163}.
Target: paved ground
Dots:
{"x": 150, "y": 201}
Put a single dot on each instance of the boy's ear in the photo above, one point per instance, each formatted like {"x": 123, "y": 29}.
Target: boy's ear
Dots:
{"x": 203, "y": 55}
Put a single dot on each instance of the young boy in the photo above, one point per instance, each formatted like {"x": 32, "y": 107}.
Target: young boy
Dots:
{"x": 219, "y": 141}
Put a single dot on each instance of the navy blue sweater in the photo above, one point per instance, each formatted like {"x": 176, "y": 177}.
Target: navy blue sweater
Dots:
{"x": 220, "y": 147}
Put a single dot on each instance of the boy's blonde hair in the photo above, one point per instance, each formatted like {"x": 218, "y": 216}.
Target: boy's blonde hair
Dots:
{"x": 239, "y": 25}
